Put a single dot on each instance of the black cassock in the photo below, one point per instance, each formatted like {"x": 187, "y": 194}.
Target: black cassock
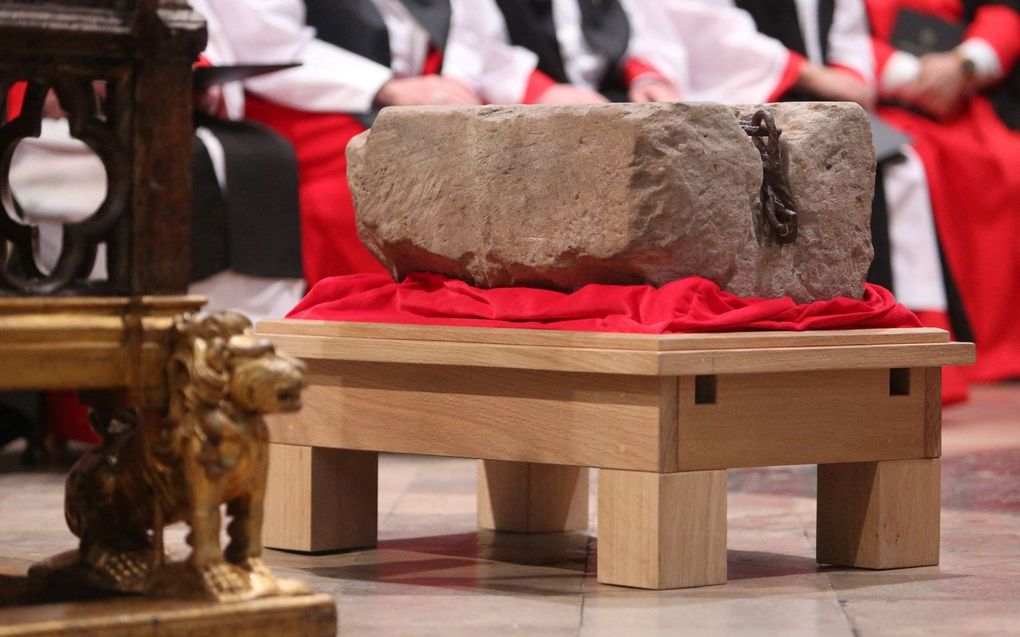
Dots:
{"x": 254, "y": 227}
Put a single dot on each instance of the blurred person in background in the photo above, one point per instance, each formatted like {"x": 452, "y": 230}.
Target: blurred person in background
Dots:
{"x": 959, "y": 100}
{"x": 358, "y": 56}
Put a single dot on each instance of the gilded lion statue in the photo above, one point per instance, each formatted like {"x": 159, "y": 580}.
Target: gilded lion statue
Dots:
{"x": 209, "y": 448}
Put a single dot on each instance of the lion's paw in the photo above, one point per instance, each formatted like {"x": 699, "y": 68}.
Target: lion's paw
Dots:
{"x": 265, "y": 584}
{"x": 127, "y": 572}
{"x": 255, "y": 566}
{"x": 225, "y": 582}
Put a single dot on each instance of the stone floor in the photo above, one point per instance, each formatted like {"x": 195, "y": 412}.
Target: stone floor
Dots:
{"x": 434, "y": 574}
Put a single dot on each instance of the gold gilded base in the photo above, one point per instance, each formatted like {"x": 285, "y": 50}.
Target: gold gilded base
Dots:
{"x": 23, "y": 613}
{"x": 304, "y": 616}
{"x": 66, "y": 577}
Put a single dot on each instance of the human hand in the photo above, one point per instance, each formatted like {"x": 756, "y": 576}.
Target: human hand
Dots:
{"x": 570, "y": 94}
{"x": 653, "y": 90}
{"x": 429, "y": 89}
{"x": 210, "y": 101}
{"x": 941, "y": 89}
{"x": 834, "y": 84}
{"x": 52, "y": 108}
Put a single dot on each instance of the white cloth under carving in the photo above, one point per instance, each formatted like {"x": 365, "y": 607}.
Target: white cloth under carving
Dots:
{"x": 332, "y": 79}
{"x": 256, "y": 297}
{"x": 57, "y": 179}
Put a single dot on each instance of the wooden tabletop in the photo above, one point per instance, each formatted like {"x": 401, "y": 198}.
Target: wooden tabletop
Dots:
{"x": 642, "y": 354}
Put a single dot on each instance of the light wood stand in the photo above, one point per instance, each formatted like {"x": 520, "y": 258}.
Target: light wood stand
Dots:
{"x": 525, "y": 497}
{"x": 661, "y": 417}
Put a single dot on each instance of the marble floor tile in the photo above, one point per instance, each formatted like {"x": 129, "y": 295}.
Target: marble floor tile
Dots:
{"x": 434, "y": 573}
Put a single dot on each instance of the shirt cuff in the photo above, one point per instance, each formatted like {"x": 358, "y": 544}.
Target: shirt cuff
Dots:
{"x": 998, "y": 25}
{"x": 635, "y": 69}
{"x": 794, "y": 63}
{"x": 538, "y": 83}
{"x": 986, "y": 60}
{"x": 901, "y": 69}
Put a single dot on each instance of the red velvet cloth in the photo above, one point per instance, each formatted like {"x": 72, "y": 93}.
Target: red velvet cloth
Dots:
{"x": 692, "y": 304}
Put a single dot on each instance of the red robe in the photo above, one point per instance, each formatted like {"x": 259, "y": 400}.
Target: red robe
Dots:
{"x": 329, "y": 238}
{"x": 972, "y": 166}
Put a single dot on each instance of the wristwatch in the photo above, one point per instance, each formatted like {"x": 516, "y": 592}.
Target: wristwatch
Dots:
{"x": 967, "y": 66}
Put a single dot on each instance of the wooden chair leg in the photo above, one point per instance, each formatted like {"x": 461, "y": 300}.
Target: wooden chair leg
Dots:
{"x": 526, "y": 497}
{"x": 879, "y": 514}
{"x": 321, "y": 499}
{"x": 662, "y": 531}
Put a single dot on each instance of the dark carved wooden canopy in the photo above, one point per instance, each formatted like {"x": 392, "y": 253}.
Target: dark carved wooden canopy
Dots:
{"x": 142, "y": 51}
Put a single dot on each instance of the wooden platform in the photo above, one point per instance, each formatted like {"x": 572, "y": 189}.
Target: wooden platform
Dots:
{"x": 663, "y": 417}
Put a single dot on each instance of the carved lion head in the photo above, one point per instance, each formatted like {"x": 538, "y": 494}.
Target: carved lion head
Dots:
{"x": 217, "y": 357}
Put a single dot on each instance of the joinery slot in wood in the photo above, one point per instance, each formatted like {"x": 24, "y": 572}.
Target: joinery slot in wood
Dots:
{"x": 899, "y": 382}
{"x": 704, "y": 389}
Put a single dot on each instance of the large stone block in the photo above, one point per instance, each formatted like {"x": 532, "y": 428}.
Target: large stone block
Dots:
{"x": 563, "y": 196}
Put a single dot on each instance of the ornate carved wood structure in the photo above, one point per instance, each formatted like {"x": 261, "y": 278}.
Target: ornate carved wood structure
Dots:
{"x": 137, "y": 54}
{"x": 121, "y": 69}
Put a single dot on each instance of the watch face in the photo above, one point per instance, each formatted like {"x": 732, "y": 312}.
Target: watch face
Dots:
{"x": 968, "y": 67}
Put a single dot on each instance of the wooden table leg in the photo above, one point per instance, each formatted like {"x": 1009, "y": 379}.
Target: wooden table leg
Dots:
{"x": 662, "y": 531}
{"x": 527, "y": 497}
{"x": 321, "y": 499}
{"x": 879, "y": 514}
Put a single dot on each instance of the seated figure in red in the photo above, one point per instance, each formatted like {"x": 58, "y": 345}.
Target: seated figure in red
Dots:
{"x": 962, "y": 109}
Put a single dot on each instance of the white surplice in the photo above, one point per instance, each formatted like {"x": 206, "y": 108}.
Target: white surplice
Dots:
{"x": 332, "y": 79}
{"x": 726, "y": 59}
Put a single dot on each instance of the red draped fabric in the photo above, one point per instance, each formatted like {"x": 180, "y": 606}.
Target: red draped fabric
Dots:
{"x": 972, "y": 167}
{"x": 692, "y": 304}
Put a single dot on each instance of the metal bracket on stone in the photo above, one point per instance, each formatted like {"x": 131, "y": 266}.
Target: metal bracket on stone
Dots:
{"x": 776, "y": 201}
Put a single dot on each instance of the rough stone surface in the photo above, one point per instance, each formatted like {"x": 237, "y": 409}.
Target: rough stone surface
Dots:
{"x": 563, "y": 196}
